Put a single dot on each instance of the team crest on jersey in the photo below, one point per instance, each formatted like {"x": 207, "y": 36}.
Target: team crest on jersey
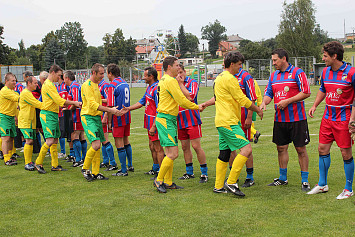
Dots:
{"x": 343, "y": 78}
{"x": 63, "y": 96}
{"x": 289, "y": 76}
{"x": 286, "y": 89}
{"x": 339, "y": 91}
{"x": 147, "y": 103}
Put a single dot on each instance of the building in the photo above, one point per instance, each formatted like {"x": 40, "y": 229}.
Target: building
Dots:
{"x": 234, "y": 40}
{"x": 225, "y": 47}
{"x": 190, "y": 61}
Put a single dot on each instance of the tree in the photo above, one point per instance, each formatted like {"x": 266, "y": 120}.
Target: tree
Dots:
{"x": 192, "y": 43}
{"x": 253, "y": 50}
{"x": 95, "y": 55}
{"x": 214, "y": 33}
{"x": 53, "y": 54}
{"x": 4, "y": 49}
{"x": 182, "y": 41}
{"x": 270, "y": 43}
{"x": 22, "y": 49}
{"x": 34, "y": 54}
{"x": 130, "y": 49}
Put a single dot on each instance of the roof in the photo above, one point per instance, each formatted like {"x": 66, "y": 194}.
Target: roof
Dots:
{"x": 233, "y": 38}
{"x": 228, "y": 46}
{"x": 144, "y": 49}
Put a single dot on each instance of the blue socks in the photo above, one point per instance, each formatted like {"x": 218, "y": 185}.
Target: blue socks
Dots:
{"x": 283, "y": 174}
{"x": 304, "y": 175}
{"x": 62, "y": 145}
{"x": 129, "y": 154}
{"x": 250, "y": 172}
{"x": 324, "y": 164}
{"x": 349, "y": 173}
{"x": 122, "y": 157}
{"x": 84, "y": 148}
{"x": 109, "y": 151}
{"x": 204, "y": 169}
{"x": 71, "y": 152}
{"x": 104, "y": 155}
{"x": 189, "y": 169}
{"x": 155, "y": 167}
{"x": 77, "y": 150}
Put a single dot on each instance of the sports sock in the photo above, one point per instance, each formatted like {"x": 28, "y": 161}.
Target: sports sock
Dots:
{"x": 27, "y": 153}
{"x": 105, "y": 158}
{"x": 221, "y": 169}
{"x": 23, "y": 143}
{"x": 88, "y": 159}
{"x": 71, "y": 152}
{"x": 237, "y": 166}
{"x": 84, "y": 148}
{"x": 13, "y": 148}
{"x": 129, "y": 154}
{"x": 230, "y": 167}
{"x": 252, "y": 130}
{"x": 42, "y": 154}
{"x": 250, "y": 172}
{"x": 7, "y": 157}
{"x": 165, "y": 166}
{"x": 54, "y": 155}
{"x": 96, "y": 163}
{"x": 204, "y": 169}
{"x": 283, "y": 174}
{"x": 168, "y": 178}
{"x": 324, "y": 164}
{"x": 349, "y": 173}
{"x": 62, "y": 145}
{"x": 122, "y": 157}
{"x": 0, "y": 144}
{"x": 155, "y": 167}
{"x": 189, "y": 169}
{"x": 304, "y": 175}
{"x": 111, "y": 155}
{"x": 77, "y": 150}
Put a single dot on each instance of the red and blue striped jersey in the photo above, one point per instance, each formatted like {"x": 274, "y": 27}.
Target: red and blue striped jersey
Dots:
{"x": 75, "y": 94}
{"x": 119, "y": 95}
{"x": 246, "y": 83}
{"x": 19, "y": 87}
{"x": 284, "y": 85}
{"x": 63, "y": 91}
{"x": 103, "y": 86}
{"x": 150, "y": 101}
{"x": 186, "y": 117}
{"x": 339, "y": 87}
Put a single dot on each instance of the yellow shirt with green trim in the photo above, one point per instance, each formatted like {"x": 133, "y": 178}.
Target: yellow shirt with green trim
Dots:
{"x": 8, "y": 101}
{"x": 229, "y": 100}
{"x": 51, "y": 98}
{"x": 171, "y": 96}
{"x": 91, "y": 96}
{"x": 28, "y": 104}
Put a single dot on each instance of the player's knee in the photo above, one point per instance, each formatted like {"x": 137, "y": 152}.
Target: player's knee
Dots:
{"x": 281, "y": 149}
{"x": 224, "y": 155}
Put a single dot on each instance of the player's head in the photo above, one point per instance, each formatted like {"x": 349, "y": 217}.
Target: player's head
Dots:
{"x": 182, "y": 71}
{"x": 43, "y": 76}
{"x": 55, "y": 72}
{"x": 26, "y": 74}
{"x": 10, "y": 80}
{"x": 150, "y": 75}
{"x": 332, "y": 51}
{"x": 68, "y": 77}
{"x": 171, "y": 65}
{"x": 113, "y": 71}
{"x": 279, "y": 59}
{"x": 233, "y": 61}
{"x": 31, "y": 83}
{"x": 98, "y": 72}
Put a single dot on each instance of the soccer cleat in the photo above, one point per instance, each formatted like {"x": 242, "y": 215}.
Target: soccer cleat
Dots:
{"x": 345, "y": 194}
{"x": 160, "y": 186}
{"x": 130, "y": 169}
{"x": 87, "y": 175}
{"x": 151, "y": 172}
{"x": 103, "y": 165}
{"x": 233, "y": 188}
{"x": 70, "y": 158}
{"x": 15, "y": 156}
{"x": 173, "y": 186}
{"x": 119, "y": 173}
{"x": 11, "y": 162}
{"x": 306, "y": 187}
{"x": 1, "y": 155}
{"x": 278, "y": 182}
{"x": 203, "y": 179}
{"x": 187, "y": 176}
{"x": 319, "y": 189}
{"x": 99, "y": 176}
{"x": 219, "y": 190}
{"x": 248, "y": 183}
{"x": 40, "y": 169}
{"x": 61, "y": 155}
{"x": 58, "y": 168}
{"x": 76, "y": 164}
{"x": 256, "y": 137}
{"x": 29, "y": 167}
{"x": 111, "y": 167}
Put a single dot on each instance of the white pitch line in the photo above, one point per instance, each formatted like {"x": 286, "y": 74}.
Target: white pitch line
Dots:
{"x": 264, "y": 135}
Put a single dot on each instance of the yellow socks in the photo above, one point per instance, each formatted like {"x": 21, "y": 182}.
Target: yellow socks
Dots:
{"x": 90, "y": 154}
{"x": 42, "y": 154}
{"x": 7, "y": 157}
{"x": 237, "y": 166}
{"x": 168, "y": 178}
{"x": 221, "y": 170}
{"x": 96, "y": 163}
{"x": 164, "y": 168}
{"x": 27, "y": 152}
{"x": 252, "y": 130}
{"x": 54, "y": 154}
{"x": 0, "y": 144}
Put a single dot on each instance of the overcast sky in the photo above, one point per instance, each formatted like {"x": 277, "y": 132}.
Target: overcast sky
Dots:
{"x": 31, "y": 20}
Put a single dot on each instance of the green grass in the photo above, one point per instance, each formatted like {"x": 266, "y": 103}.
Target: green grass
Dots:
{"x": 64, "y": 204}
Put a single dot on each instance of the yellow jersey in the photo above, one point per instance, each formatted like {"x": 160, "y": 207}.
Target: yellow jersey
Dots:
{"x": 170, "y": 97}
{"x": 259, "y": 97}
{"x": 8, "y": 101}
{"x": 28, "y": 104}
{"x": 229, "y": 99}
{"x": 91, "y": 96}
{"x": 51, "y": 98}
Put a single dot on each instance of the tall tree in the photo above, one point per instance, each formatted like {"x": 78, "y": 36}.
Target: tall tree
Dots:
{"x": 22, "y": 49}
{"x": 254, "y": 50}
{"x": 182, "y": 41}
{"x": 214, "y": 33}
{"x": 34, "y": 54}
{"x": 192, "y": 43}
{"x": 4, "y": 49}
{"x": 95, "y": 55}
{"x": 53, "y": 54}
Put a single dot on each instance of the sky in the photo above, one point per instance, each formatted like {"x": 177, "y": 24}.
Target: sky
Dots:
{"x": 255, "y": 20}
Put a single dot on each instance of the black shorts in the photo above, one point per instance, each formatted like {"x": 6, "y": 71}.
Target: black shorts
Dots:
{"x": 287, "y": 132}
{"x": 66, "y": 124}
{"x": 38, "y": 120}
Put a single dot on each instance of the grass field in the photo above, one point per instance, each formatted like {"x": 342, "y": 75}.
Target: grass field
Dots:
{"x": 64, "y": 204}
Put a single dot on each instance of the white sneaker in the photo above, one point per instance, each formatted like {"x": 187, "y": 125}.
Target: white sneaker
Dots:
{"x": 345, "y": 194}
{"x": 319, "y": 189}
{"x": 61, "y": 155}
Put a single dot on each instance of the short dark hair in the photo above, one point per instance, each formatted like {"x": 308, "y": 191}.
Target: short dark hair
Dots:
{"x": 170, "y": 60}
{"x": 70, "y": 75}
{"x": 152, "y": 71}
{"x": 27, "y": 73}
{"x": 114, "y": 70}
{"x": 280, "y": 53}
{"x": 96, "y": 67}
{"x": 232, "y": 57}
{"x": 9, "y": 75}
{"x": 30, "y": 79}
{"x": 334, "y": 47}
{"x": 182, "y": 66}
{"x": 55, "y": 68}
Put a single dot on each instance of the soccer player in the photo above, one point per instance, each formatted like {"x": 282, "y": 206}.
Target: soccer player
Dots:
{"x": 91, "y": 119}
{"x": 228, "y": 98}
{"x": 170, "y": 97}
{"x": 189, "y": 128}
{"x": 77, "y": 136}
{"x": 63, "y": 91}
{"x": 337, "y": 88}
{"x": 289, "y": 87}
{"x": 259, "y": 99}
{"x": 27, "y": 119}
{"x": 8, "y": 109}
{"x": 49, "y": 118}
{"x": 107, "y": 149}
{"x": 119, "y": 96}
{"x": 150, "y": 101}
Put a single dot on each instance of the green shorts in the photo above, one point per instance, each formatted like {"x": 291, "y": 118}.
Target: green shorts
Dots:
{"x": 50, "y": 124}
{"x": 254, "y": 114}
{"x": 93, "y": 128}
{"x": 7, "y": 126}
{"x": 232, "y": 138}
{"x": 28, "y": 133}
{"x": 167, "y": 129}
